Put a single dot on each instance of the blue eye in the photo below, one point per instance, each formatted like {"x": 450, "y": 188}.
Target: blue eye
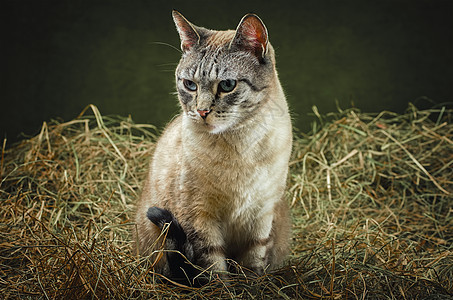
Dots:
{"x": 190, "y": 85}
{"x": 227, "y": 85}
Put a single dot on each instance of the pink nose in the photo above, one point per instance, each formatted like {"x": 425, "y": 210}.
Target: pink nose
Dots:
{"x": 203, "y": 113}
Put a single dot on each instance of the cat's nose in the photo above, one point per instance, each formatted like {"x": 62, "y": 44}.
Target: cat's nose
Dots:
{"x": 203, "y": 112}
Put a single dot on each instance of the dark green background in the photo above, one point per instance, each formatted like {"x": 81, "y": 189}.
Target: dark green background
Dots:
{"x": 59, "y": 56}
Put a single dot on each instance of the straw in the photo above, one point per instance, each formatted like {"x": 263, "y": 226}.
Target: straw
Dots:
{"x": 370, "y": 195}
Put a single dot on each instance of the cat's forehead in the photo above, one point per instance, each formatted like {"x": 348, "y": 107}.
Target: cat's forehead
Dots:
{"x": 214, "y": 60}
{"x": 211, "y": 65}
{"x": 220, "y": 38}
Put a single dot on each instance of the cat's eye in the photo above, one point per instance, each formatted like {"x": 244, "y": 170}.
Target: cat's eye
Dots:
{"x": 190, "y": 85}
{"x": 227, "y": 85}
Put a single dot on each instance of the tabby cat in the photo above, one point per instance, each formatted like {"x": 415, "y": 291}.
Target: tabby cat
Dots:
{"x": 219, "y": 170}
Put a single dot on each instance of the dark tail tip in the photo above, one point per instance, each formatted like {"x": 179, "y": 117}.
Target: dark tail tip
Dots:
{"x": 160, "y": 216}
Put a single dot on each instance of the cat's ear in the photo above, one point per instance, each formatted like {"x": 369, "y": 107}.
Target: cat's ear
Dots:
{"x": 187, "y": 32}
{"x": 251, "y": 35}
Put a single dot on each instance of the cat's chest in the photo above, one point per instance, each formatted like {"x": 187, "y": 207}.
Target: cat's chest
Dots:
{"x": 230, "y": 173}
{"x": 234, "y": 191}
{"x": 235, "y": 176}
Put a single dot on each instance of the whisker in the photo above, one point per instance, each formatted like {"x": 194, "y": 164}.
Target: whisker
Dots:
{"x": 167, "y": 44}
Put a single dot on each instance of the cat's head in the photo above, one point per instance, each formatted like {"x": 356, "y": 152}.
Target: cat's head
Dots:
{"x": 224, "y": 76}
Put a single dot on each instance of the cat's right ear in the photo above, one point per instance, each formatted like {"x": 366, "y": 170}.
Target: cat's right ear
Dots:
{"x": 187, "y": 32}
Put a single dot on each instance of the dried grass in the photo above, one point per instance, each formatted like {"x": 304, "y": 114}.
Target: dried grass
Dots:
{"x": 371, "y": 198}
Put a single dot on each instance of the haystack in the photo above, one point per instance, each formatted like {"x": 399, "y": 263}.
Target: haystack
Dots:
{"x": 371, "y": 198}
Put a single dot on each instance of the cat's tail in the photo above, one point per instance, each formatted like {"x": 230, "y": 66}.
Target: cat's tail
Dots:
{"x": 179, "y": 250}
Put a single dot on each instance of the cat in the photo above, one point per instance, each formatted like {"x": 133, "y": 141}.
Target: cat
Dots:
{"x": 218, "y": 173}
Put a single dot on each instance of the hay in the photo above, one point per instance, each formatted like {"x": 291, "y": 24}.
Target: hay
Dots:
{"x": 371, "y": 198}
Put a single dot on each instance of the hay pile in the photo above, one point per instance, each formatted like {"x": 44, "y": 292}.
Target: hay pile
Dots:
{"x": 371, "y": 198}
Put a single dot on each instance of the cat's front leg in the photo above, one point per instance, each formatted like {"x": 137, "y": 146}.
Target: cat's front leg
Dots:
{"x": 209, "y": 246}
{"x": 256, "y": 258}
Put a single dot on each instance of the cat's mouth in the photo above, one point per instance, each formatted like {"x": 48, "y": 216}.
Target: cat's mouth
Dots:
{"x": 207, "y": 122}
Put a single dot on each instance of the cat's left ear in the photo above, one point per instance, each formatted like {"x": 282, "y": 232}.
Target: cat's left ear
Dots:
{"x": 251, "y": 35}
{"x": 187, "y": 32}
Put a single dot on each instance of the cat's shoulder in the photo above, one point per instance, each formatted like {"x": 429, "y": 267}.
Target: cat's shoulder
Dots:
{"x": 171, "y": 136}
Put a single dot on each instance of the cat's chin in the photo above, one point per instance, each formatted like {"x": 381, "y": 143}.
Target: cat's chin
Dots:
{"x": 212, "y": 128}
{"x": 215, "y": 129}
